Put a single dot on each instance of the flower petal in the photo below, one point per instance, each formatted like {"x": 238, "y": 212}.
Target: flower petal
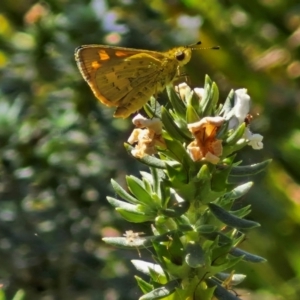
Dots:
{"x": 241, "y": 104}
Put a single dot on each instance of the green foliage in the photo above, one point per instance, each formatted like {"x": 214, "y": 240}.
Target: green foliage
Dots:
{"x": 20, "y": 295}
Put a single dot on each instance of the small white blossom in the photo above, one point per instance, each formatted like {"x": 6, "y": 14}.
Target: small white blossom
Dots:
{"x": 239, "y": 113}
{"x": 241, "y": 104}
{"x": 199, "y": 92}
{"x": 154, "y": 124}
{"x": 185, "y": 91}
{"x": 255, "y": 139}
{"x": 240, "y": 109}
{"x": 147, "y": 136}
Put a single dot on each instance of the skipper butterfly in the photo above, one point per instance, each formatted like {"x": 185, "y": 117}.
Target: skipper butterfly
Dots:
{"x": 127, "y": 78}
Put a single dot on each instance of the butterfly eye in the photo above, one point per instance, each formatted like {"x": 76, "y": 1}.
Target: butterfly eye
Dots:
{"x": 180, "y": 56}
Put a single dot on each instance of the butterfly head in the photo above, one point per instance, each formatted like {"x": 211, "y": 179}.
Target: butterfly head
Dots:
{"x": 182, "y": 55}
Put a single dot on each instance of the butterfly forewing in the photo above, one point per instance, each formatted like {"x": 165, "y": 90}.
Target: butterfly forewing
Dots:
{"x": 94, "y": 60}
{"x": 113, "y": 73}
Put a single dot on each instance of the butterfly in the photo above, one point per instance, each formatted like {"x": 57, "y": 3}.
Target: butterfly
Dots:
{"x": 126, "y": 78}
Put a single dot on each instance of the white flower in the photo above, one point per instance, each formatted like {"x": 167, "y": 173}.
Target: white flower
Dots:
{"x": 183, "y": 89}
{"x": 147, "y": 136}
{"x": 199, "y": 92}
{"x": 241, "y": 104}
{"x": 154, "y": 124}
{"x": 240, "y": 109}
{"x": 255, "y": 139}
{"x": 239, "y": 113}
{"x": 185, "y": 92}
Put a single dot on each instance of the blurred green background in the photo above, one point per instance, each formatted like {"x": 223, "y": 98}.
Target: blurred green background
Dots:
{"x": 59, "y": 147}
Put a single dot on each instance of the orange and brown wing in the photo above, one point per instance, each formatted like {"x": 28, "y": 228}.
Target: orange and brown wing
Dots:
{"x": 113, "y": 72}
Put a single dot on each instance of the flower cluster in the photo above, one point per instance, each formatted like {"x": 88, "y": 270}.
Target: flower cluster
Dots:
{"x": 148, "y": 136}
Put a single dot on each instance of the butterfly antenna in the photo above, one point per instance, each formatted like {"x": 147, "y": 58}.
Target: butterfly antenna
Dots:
{"x": 192, "y": 47}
